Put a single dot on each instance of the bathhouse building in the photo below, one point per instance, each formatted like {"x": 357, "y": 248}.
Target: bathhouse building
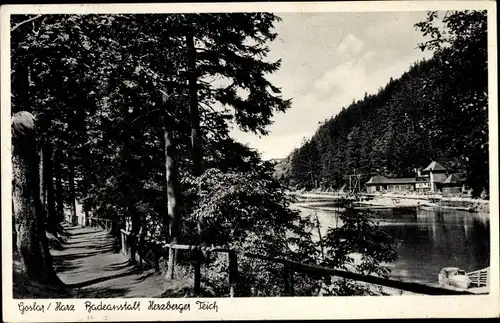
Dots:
{"x": 436, "y": 176}
{"x": 430, "y": 179}
{"x": 383, "y": 184}
{"x": 454, "y": 185}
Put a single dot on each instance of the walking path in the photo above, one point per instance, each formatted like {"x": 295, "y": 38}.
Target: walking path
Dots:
{"x": 88, "y": 262}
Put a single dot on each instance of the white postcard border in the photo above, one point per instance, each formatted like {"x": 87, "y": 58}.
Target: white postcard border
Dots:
{"x": 259, "y": 308}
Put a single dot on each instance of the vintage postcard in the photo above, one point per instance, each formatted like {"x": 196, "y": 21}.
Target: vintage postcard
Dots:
{"x": 216, "y": 161}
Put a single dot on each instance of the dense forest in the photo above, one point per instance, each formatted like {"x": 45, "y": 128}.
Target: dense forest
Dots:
{"x": 129, "y": 117}
{"x": 437, "y": 110}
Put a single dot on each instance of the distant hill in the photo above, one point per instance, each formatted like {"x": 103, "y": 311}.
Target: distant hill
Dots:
{"x": 281, "y": 167}
{"x": 437, "y": 110}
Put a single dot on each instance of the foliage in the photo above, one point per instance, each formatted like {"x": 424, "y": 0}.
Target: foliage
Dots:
{"x": 359, "y": 235}
{"x": 462, "y": 49}
{"x": 97, "y": 79}
{"x": 249, "y": 211}
{"x": 234, "y": 202}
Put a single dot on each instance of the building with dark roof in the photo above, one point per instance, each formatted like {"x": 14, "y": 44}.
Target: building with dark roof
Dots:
{"x": 453, "y": 185}
{"x": 437, "y": 175}
{"x": 382, "y": 183}
{"x": 430, "y": 180}
{"x": 434, "y": 167}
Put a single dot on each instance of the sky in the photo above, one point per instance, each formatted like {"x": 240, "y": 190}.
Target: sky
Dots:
{"x": 329, "y": 60}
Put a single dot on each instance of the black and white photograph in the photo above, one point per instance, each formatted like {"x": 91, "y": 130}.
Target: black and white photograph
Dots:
{"x": 217, "y": 155}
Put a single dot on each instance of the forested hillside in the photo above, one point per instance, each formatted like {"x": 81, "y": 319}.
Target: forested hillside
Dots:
{"x": 437, "y": 110}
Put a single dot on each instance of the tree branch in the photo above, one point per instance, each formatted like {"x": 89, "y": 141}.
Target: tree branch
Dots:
{"x": 25, "y": 22}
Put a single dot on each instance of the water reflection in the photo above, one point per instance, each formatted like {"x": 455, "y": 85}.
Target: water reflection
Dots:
{"x": 430, "y": 239}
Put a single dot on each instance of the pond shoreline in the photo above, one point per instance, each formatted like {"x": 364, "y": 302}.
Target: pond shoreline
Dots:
{"x": 429, "y": 238}
{"x": 394, "y": 200}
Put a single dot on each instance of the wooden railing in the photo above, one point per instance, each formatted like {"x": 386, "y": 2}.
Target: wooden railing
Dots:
{"x": 289, "y": 267}
{"x": 143, "y": 248}
{"x": 479, "y": 278}
{"x": 292, "y": 267}
{"x": 94, "y": 222}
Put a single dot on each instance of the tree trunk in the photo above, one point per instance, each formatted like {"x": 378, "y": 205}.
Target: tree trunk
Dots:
{"x": 193, "y": 108}
{"x": 318, "y": 225}
{"x": 15, "y": 251}
{"x": 45, "y": 161}
{"x": 52, "y": 218}
{"x": 59, "y": 194}
{"x": 134, "y": 231}
{"x": 86, "y": 212}
{"x": 81, "y": 128}
{"x": 86, "y": 203}
{"x": 72, "y": 195}
{"x": 195, "y": 131}
{"x": 32, "y": 244}
{"x": 141, "y": 242}
{"x": 172, "y": 193}
{"x": 43, "y": 186}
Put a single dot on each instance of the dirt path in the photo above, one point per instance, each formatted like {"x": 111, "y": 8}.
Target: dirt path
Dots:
{"x": 88, "y": 263}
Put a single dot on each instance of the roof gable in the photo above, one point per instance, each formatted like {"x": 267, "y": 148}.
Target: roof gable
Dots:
{"x": 377, "y": 180}
{"x": 406, "y": 180}
{"x": 384, "y": 180}
{"x": 453, "y": 179}
{"x": 435, "y": 167}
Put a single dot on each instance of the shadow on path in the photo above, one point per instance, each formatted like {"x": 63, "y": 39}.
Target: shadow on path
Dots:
{"x": 99, "y": 280}
{"x": 88, "y": 263}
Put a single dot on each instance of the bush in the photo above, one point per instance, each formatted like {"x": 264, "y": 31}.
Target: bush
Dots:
{"x": 250, "y": 212}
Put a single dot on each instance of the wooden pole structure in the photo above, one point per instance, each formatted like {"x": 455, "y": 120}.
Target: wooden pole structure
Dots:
{"x": 288, "y": 278}
{"x": 198, "y": 260}
{"x": 320, "y": 236}
{"x": 197, "y": 272}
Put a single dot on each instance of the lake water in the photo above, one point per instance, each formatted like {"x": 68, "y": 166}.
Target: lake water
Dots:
{"x": 430, "y": 239}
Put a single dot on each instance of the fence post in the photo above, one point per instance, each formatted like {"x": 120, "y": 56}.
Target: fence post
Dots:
{"x": 233, "y": 273}
{"x": 197, "y": 271}
{"x": 288, "y": 278}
